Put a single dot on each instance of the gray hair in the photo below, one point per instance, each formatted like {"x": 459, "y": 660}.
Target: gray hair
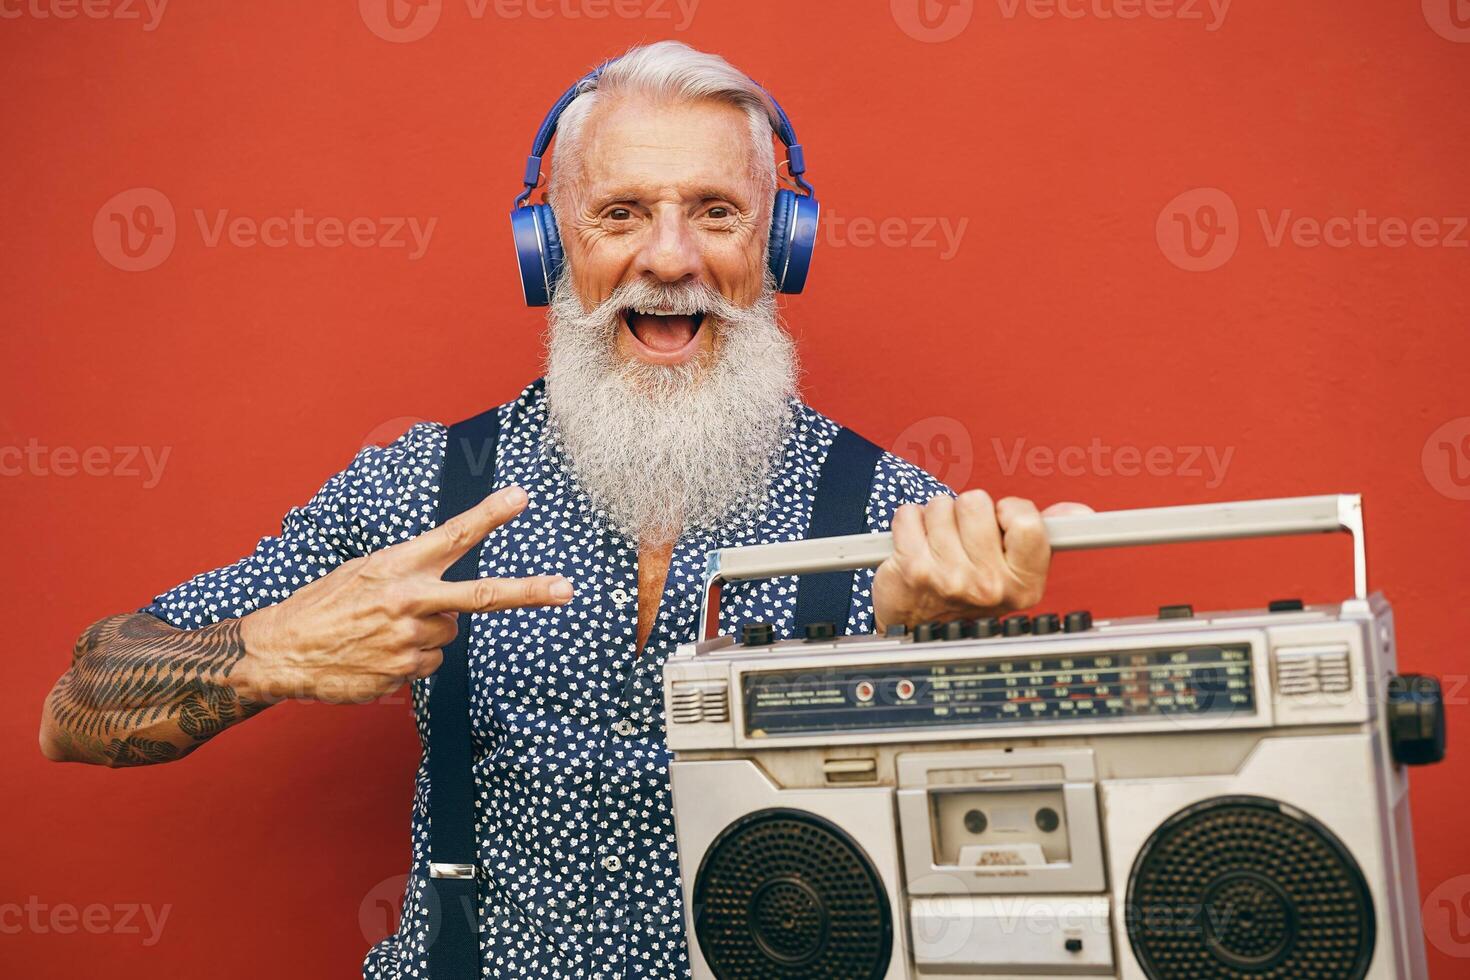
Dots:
{"x": 666, "y": 71}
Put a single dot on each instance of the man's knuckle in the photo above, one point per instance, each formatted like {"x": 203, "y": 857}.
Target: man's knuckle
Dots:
{"x": 458, "y": 533}
{"x": 396, "y": 599}
{"x": 400, "y": 665}
{"x": 487, "y": 593}
{"x": 403, "y": 632}
{"x": 919, "y": 574}
{"x": 1023, "y": 594}
{"x": 974, "y": 501}
{"x": 955, "y": 584}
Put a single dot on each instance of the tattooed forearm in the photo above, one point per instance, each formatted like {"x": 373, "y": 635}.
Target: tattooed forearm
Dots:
{"x": 140, "y": 691}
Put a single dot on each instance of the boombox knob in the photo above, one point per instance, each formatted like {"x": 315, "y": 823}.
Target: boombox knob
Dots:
{"x": 757, "y": 634}
{"x": 1416, "y": 722}
{"x": 816, "y": 632}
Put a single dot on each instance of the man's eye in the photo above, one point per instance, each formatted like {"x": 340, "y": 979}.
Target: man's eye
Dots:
{"x": 620, "y": 214}
{"x": 719, "y": 212}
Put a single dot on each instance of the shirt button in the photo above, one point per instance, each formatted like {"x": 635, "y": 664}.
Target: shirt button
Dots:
{"x": 624, "y": 727}
{"x": 619, "y": 597}
{"x": 612, "y": 863}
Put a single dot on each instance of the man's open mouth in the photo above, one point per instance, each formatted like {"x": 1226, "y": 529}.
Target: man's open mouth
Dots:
{"x": 664, "y": 334}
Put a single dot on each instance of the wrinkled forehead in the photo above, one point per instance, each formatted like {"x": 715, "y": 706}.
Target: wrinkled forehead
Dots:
{"x": 635, "y": 148}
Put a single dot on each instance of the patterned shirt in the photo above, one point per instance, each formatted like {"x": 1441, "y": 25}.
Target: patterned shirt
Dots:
{"x": 579, "y": 867}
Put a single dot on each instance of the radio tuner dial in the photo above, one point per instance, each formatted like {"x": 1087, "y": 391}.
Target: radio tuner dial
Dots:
{"x": 1416, "y": 721}
{"x": 1077, "y": 621}
{"x": 1046, "y": 623}
{"x": 1016, "y": 625}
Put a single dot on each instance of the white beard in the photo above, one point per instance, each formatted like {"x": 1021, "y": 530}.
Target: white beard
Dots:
{"x": 661, "y": 448}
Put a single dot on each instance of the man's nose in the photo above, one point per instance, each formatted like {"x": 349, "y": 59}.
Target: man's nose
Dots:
{"x": 671, "y": 252}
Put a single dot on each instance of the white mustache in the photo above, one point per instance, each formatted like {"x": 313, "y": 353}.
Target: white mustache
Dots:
{"x": 666, "y": 299}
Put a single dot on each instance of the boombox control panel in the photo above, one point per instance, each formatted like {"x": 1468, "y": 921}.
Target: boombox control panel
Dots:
{"x": 1212, "y": 796}
{"x": 1171, "y": 680}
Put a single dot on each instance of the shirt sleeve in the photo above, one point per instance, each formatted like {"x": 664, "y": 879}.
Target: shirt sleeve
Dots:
{"x": 896, "y": 482}
{"x": 386, "y": 495}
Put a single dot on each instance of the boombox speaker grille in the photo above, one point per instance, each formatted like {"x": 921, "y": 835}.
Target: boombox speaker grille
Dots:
{"x": 1245, "y": 887}
{"x": 786, "y": 894}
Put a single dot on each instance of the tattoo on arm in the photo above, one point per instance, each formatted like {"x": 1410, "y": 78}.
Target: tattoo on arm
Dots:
{"x": 140, "y": 691}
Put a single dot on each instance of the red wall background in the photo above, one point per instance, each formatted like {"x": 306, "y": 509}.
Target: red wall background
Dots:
{"x": 1064, "y": 309}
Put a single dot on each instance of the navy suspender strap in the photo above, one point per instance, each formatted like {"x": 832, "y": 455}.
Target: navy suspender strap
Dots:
{"x": 454, "y": 936}
{"x": 841, "y": 507}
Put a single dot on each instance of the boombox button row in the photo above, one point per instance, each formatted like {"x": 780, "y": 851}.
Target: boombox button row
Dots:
{"x": 1076, "y": 621}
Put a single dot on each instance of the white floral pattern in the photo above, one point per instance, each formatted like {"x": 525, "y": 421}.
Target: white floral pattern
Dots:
{"x": 573, "y": 819}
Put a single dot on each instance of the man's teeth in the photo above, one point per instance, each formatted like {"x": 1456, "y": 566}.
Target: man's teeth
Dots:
{"x": 649, "y": 311}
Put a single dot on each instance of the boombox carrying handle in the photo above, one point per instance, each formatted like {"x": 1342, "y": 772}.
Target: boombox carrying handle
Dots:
{"x": 1109, "y": 529}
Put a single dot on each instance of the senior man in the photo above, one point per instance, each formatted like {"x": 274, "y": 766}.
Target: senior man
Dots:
{"x": 667, "y": 425}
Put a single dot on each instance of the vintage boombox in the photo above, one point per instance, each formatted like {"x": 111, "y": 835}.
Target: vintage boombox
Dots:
{"x": 1197, "y": 795}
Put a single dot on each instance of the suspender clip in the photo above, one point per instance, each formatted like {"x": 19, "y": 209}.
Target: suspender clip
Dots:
{"x": 443, "y": 870}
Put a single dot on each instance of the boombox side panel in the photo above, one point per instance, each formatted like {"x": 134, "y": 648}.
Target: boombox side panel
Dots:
{"x": 740, "y": 787}
{"x": 1322, "y": 776}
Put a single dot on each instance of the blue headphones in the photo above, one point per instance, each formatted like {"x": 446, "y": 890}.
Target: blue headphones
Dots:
{"x": 538, "y": 243}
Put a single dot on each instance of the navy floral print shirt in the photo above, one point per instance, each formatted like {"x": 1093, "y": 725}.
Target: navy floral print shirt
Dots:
{"x": 575, "y": 828}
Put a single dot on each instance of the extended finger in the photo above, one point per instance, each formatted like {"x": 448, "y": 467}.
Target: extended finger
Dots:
{"x": 441, "y": 547}
{"x": 490, "y": 594}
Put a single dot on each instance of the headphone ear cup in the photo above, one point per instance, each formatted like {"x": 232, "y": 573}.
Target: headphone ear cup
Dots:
{"x": 777, "y": 250}
{"x": 538, "y": 251}
{"x": 554, "y": 255}
{"x": 793, "y": 237}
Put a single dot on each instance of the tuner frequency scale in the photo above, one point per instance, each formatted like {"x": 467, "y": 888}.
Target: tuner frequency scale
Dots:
{"x": 1213, "y": 795}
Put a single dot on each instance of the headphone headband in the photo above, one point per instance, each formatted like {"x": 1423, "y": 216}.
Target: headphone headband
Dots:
{"x": 785, "y": 132}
